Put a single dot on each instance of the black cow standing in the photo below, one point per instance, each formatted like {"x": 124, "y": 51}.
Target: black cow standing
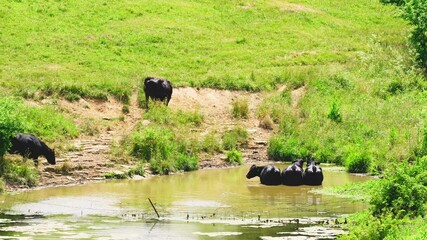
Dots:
{"x": 293, "y": 174}
{"x": 28, "y": 145}
{"x": 269, "y": 175}
{"x": 157, "y": 89}
{"x": 313, "y": 174}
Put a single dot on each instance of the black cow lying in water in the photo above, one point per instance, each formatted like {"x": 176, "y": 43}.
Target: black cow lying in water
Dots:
{"x": 313, "y": 174}
{"x": 269, "y": 175}
{"x": 293, "y": 174}
{"x": 157, "y": 89}
{"x": 28, "y": 145}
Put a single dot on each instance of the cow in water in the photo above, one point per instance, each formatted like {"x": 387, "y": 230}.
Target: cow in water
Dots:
{"x": 292, "y": 175}
{"x": 28, "y": 145}
{"x": 269, "y": 175}
{"x": 157, "y": 89}
{"x": 313, "y": 174}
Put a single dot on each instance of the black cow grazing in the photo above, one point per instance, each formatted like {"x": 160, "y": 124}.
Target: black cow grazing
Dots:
{"x": 313, "y": 174}
{"x": 28, "y": 145}
{"x": 292, "y": 175}
{"x": 157, "y": 89}
{"x": 269, "y": 175}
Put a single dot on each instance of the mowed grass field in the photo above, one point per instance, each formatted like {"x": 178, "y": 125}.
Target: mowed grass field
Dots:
{"x": 91, "y": 48}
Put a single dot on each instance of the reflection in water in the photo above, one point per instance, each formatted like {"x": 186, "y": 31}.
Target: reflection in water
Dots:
{"x": 197, "y": 205}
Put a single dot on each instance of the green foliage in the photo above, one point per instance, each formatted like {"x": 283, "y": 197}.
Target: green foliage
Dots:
{"x": 334, "y": 113}
{"x": 235, "y": 138}
{"x": 160, "y": 147}
{"x": 211, "y": 143}
{"x": 234, "y": 157}
{"x": 415, "y": 12}
{"x": 9, "y": 123}
{"x": 2, "y": 185}
{"x": 240, "y": 108}
{"x": 152, "y": 143}
{"x": 403, "y": 191}
{"x": 22, "y": 173}
{"x": 116, "y": 175}
{"x": 285, "y": 148}
{"x": 358, "y": 161}
{"x": 139, "y": 169}
{"x": 187, "y": 162}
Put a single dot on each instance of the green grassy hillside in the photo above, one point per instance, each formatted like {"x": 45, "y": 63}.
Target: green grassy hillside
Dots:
{"x": 94, "y": 48}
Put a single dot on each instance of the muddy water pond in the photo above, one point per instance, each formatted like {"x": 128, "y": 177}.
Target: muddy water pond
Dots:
{"x": 205, "y": 204}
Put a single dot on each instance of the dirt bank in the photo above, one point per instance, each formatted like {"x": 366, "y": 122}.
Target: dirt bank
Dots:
{"x": 88, "y": 158}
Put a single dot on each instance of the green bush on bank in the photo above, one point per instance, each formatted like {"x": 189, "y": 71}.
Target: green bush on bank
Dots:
{"x": 234, "y": 157}
{"x": 235, "y": 138}
{"x": 398, "y": 205}
{"x": 358, "y": 161}
{"x": 162, "y": 149}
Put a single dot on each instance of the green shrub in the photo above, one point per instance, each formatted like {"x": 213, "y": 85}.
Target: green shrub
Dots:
{"x": 235, "y": 138}
{"x": 358, "y": 162}
{"x": 211, "y": 144}
{"x": 153, "y": 143}
{"x": 10, "y": 122}
{"x": 187, "y": 162}
{"x": 116, "y": 175}
{"x": 403, "y": 191}
{"x": 162, "y": 166}
{"x": 234, "y": 156}
{"x": 139, "y": 169}
{"x": 240, "y": 108}
{"x": 282, "y": 148}
{"x": 415, "y": 11}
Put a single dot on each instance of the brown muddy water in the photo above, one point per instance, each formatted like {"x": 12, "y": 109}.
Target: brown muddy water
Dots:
{"x": 206, "y": 204}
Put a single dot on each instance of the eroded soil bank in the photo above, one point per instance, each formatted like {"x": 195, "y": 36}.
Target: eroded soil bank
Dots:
{"x": 88, "y": 158}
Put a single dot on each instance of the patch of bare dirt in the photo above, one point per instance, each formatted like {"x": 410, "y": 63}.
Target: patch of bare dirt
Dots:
{"x": 292, "y": 7}
{"x": 88, "y": 158}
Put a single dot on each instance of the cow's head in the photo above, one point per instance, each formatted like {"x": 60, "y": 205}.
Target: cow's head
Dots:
{"x": 50, "y": 156}
{"x": 253, "y": 172}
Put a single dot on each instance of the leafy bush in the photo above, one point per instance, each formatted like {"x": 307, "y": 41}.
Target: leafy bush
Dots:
{"x": 139, "y": 169}
{"x": 153, "y": 143}
{"x": 415, "y": 11}
{"x": 283, "y": 148}
{"x": 234, "y": 156}
{"x": 211, "y": 143}
{"x": 162, "y": 166}
{"x": 160, "y": 147}
{"x": 235, "y": 138}
{"x": 240, "y": 108}
{"x": 10, "y": 123}
{"x": 187, "y": 162}
{"x": 403, "y": 191}
{"x": 358, "y": 162}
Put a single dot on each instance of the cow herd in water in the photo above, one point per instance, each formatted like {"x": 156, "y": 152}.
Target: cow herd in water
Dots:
{"x": 293, "y": 175}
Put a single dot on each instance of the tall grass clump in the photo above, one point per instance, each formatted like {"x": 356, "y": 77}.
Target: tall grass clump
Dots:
{"x": 240, "y": 108}
{"x": 285, "y": 148}
{"x": 162, "y": 149}
{"x": 358, "y": 161}
{"x": 235, "y": 138}
{"x": 234, "y": 157}
{"x": 211, "y": 143}
{"x": 162, "y": 114}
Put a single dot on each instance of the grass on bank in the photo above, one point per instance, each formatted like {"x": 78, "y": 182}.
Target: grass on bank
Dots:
{"x": 45, "y": 122}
